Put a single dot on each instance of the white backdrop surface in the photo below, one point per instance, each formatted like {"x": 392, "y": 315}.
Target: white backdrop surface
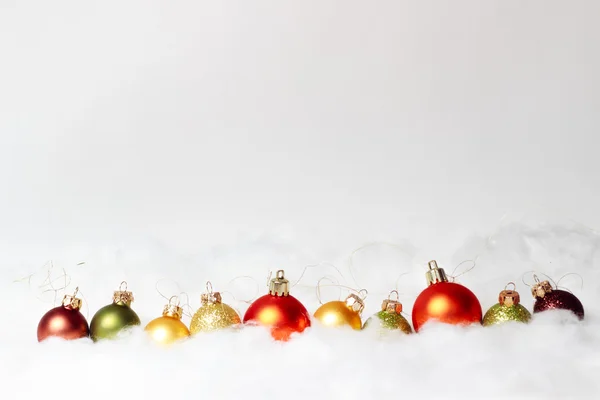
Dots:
{"x": 179, "y": 142}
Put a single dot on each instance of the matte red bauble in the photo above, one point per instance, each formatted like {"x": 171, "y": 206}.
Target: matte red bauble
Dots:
{"x": 278, "y": 310}
{"x": 64, "y": 321}
{"x": 548, "y": 298}
{"x": 444, "y": 301}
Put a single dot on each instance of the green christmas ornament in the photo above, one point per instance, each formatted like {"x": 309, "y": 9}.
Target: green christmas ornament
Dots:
{"x": 507, "y": 309}
{"x": 390, "y": 317}
{"x": 112, "y": 319}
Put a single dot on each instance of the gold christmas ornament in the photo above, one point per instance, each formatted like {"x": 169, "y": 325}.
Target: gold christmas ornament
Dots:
{"x": 213, "y": 314}
{"x": 390, "y": 317}
{"x": 342, "y": 313}
{"x": 169, "y": 328}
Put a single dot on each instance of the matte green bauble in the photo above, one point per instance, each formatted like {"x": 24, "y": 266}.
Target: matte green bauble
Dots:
{"x": 507, "y": 309}
{"x": 112, "y": 319}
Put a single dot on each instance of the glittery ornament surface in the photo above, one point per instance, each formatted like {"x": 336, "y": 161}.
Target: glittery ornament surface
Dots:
{"x": 559, "y": 299}
{"x": 389, "y": 321}
{"x": 213, "y": 316}
{"x": 500, "y": 313}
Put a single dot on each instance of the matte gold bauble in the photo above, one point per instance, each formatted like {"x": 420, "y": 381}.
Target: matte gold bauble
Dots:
{"x": 169, "y": 328}
{"x": 341, "y": 313}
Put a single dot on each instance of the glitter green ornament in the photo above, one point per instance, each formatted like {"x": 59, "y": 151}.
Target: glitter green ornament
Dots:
{"x": 507, "y": 309}
{"x": 390, "y": 317}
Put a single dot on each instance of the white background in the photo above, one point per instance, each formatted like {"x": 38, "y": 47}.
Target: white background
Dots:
{"x": 191, "y": 141}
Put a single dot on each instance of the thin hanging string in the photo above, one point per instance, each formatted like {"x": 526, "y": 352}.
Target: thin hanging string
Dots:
{"x": 351, "y": 258}
{"x": 570, "y": 273}
{"x": 453, "y": 277}
{"x": 398, "y": 279}
{"x": 85, "y": 302}
{"x": 190, "y": 311}
{"x": 243, "y": 300}
{"x": 160, "y": 293}
{"x": 358, "y": 292}
{"x": 536, "y": 279}
{"x": 307, "y": 267}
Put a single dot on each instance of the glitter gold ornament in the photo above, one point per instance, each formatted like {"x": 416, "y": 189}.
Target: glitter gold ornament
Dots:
{"x": 444, "y": 301}
{"x": 507, "y": 309}
{"x": 390, "y": 317}
{"x": 549, "y": 298}
{"x": 213, "y": 314}
{"x": 168, "y": 328}
{"x": 113, "y": 319}
{"x": 342, "y": 313}
{"x": 64, "y": 321}
{"x": 279, "y": 310}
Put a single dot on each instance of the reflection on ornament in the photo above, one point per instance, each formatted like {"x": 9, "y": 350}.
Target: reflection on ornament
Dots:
{"x": 213, "y": 314}
{"x": 549, "y": 298}
{"x": 507, "y": 309}
{"x": 279, "y": 310}
{"x": 169, "y": 328}
{"x": 444, "y": 301}
{"x": 64, "y": 321}
{"x": 390, "y": 317}
{"x": 342, "y": 313}
{"x": 113, "y": 319}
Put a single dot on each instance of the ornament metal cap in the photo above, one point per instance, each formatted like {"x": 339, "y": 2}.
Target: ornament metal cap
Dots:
{"x": 122, "y": 296}
{"x": 279, "y": 286}
{"x": 509, "y": 297}
{"x": 172, "y": 309}
{"x": 71, "y": 302}
{"x": 435, "y": 274}
{"x": 354, "y": 303}
{"x": 392, "y": 306}
{"x": 540, "y": 288}
{"x": 210, "y": 297}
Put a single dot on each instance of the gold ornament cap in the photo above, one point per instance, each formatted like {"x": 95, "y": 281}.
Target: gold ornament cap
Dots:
{"x": 279, "y": 286}
{"x": 392, "y": 306}
{"x": 539, "y": 289}
{"x": 355, "y": 303}
{"x": 435, "y": 274}
{"x": 509, "y": 297}
{"x": 122, "y": 295}
{"x": 210, "y": 297}
{"x": 173, "y": 309}
{"x": 71, "y": 302}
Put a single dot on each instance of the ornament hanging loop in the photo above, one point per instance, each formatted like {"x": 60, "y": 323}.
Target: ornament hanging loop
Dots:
{"x": 363, "y": 293}
{"x": 510, "y": 283}
{"x": 397, "y": 295}
{"x": 121, "y": 288}
{"x": 209, "y": 288}
{"x": 173, "y": 309}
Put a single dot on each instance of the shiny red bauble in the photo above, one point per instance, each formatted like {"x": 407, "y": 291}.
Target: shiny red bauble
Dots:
{"x": 280, "y": 311}
{"x": 445, "y": 302}
{"x": 64, "y": 321}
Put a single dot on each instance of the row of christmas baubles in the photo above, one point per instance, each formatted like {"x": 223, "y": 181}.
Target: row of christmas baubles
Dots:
{"x": 444, "y": 301}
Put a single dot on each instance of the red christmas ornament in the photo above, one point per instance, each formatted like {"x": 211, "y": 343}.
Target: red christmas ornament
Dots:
{"x": 547, "y": 298}
{"x": 64, "y": 321}
{"x": 279, "y": 310}
{"x": 445, "y": 301}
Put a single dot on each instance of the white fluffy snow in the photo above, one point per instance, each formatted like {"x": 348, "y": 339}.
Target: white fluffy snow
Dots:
{"x": 167, "y": 143}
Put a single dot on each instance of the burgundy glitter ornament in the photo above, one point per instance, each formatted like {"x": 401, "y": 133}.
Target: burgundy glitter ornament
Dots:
{"x": 548, "y": 298}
